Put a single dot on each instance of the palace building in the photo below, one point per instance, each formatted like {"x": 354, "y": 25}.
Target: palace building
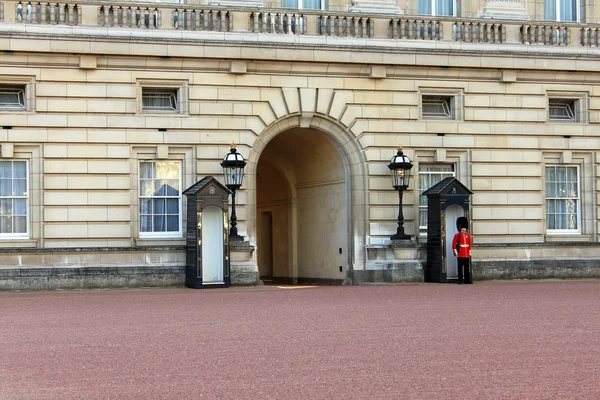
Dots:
{"x": 110, "y": 110}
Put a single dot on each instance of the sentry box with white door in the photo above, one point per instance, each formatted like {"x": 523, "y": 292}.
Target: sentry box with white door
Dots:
{"x": 207, "y": 242}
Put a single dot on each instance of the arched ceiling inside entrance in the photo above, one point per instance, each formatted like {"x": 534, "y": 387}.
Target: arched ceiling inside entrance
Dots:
{"x": 304, "y": 156}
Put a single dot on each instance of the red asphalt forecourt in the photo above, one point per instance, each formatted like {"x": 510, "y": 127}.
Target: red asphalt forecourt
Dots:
{"x": 490, "y": 340}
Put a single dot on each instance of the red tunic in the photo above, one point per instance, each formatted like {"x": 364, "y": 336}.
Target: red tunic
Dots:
{"x": 465, "y": 245}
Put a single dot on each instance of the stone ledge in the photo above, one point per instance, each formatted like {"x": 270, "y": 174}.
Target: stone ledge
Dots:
{"x": 87, "y": 271}
{"x": 392, "y": 271}
{"x": 583, "y": 243}
{"x": 31, "y": 279}
{"x": 320, "y": 281}
{"x": 104, "y": 277}
{"x": 538, "y": 269}
{"x": 244, "y": 245}
{"x": 11, "y": 244}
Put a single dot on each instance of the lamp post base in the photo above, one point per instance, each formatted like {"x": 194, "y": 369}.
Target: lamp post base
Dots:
{"x": 400, "y": 236}
{"x": 236, "y": 238}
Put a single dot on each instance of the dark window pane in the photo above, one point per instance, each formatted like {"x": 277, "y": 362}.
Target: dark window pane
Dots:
{"x": 551, "y": 222}
{"x": 550, "y": 189}
{"x": 20, "y": 187}
{"x": 6, "y": 187}
{"x": 20, "y": 207}
{"x": 561, "y": 174}
{"x": 172, "y": 187}
{"x": 173, "y": 223}
{"x": 560, "y": 221}
{"x": 146, "y": 170}
{"x": 159, "y": 186}
{"x": 20, "y": 169}
{"x": 172, "y": 206}
{"x": 159, "y": 206}
{"x": 5, "y": 224}
{"x": 145, "y": 223}
{"x": 20, "y": 224}
{"x": 159, "y": 223}
{"x": 5, "y": 207}
{"x": 5, "y": 170}
{"x": 551, "y": 206}
{"x": 145, "y": 206}
{"x": 572, "y": 174}
{"x": 146, "y": 188}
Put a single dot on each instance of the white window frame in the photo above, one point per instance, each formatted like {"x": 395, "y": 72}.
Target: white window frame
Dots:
{"x": 433, "y": 5}
{"x": 25, "y": 83}
{"x": 423, "y": 171}
{"x": 141, "y": 197}
{"x": 24, "y": 235}
{"x": 571, "y": 105}
{"x": 171, "y": 91}
{"x": 577, "y": 200}
{"x": 301, "y": 6}
{"x": 579, "y": 102}
{"x": 448, "y": 101}
{"x": 579, "y": 107}
{"x": 15, "y": 88}
{"x": 181, "y": 86}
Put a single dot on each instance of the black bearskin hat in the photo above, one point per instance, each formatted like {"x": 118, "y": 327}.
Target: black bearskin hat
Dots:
{"x": 462, "y": 222}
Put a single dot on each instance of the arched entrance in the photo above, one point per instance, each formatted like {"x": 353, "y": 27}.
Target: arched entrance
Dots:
{"x": 302, "y": 225}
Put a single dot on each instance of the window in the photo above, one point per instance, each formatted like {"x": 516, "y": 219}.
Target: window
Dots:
{"x": 14, "y": 199}
{"x": 12, "y": 97}
{"x": 429, "y": 175}
{"x": 438, "y": 107}
{"x": 563, "y": 110}
{"x": 303, "y": 4}
{"x": 436, "y": 7}
{"x": 561, "y": 10}
{"x": 562, "y": 199}
{"x": 160, "y": 198}
{"x": 160, "y": 100}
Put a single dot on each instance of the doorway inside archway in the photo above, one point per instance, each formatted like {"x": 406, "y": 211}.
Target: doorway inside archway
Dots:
{"x": 302, "y": 210}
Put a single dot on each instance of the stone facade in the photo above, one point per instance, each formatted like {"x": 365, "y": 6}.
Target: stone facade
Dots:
{"x": 317, "y": 102}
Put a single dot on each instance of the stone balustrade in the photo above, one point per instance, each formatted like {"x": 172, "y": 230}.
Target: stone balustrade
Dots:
{"x": 546, "y": 34}
{"x": 277, "y": 22}
{"x": 345, "y": 25}
{"x": 589, "y": 36}
{"x": 48, "y": 13}
{"x": 195, "y": 17}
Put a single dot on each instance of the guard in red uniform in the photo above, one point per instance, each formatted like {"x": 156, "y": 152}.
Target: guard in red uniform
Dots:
{"x": 461, "y": 243}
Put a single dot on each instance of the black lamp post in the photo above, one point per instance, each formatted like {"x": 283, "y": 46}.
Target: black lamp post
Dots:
{"x": 233, "y": 168}
{"x": 400, "y": 166}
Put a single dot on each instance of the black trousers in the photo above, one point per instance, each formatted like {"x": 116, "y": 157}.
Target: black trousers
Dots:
{"x": 464, "y": 264}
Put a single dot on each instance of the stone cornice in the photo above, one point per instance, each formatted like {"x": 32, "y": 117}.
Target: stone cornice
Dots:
{"x": 252, "y": 46}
